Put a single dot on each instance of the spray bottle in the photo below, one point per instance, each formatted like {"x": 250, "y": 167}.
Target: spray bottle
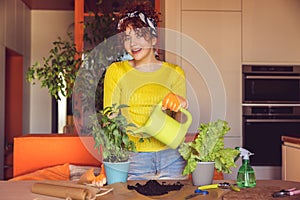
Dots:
{"x": 246, "y": 176}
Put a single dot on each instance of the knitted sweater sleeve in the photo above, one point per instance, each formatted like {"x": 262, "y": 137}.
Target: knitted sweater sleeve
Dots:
{"x": 179, "y": 84}
{"x": 111, "y": 88}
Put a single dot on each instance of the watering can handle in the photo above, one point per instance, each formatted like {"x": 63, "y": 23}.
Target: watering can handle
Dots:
{"x": 184, "y": 111}
{"x": 188, "y": 114}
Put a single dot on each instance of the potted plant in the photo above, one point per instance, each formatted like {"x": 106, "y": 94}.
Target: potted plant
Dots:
{"x": 208, "y": 146}
{"x": 59, "y": 68}
{"x": 109, "y": 129}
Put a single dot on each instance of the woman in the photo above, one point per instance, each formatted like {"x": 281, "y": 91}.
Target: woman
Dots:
{"x": 142, "y": 83}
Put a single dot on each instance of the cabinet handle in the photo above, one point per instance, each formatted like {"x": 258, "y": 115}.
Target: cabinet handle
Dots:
{"x": 272, "y": 77}
{"x": 273, "y": 120}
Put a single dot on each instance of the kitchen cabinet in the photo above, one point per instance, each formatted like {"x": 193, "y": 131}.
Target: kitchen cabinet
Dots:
{"x": 290, "y": 158}
{"x": 217, "y": 36}
{"x": 271, "y": 31}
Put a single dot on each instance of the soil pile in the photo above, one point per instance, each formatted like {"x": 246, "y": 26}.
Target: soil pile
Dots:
{"x": 154, "y": 188}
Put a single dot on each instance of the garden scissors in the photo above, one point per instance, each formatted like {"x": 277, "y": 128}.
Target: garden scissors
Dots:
{"x": 288, "y": 192}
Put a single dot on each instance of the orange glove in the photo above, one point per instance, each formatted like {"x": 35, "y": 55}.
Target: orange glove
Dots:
{"x": 174, "y": 102}
{"x": 100, "y": 180}
{"x": 89, "y": 177}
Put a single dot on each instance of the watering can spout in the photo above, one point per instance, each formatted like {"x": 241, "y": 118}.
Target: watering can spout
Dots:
{"x": 141, "y": 131}
{"x": 164, "y": 128}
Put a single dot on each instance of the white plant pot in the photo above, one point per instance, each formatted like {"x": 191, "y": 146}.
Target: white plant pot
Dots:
{"x": 203, "y": 174}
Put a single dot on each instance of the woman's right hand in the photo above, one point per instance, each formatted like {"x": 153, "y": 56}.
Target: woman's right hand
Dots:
{"x": 174, "y": 102}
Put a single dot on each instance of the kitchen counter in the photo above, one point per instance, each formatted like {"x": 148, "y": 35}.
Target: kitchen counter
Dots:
{"x": 288, "y": 139}
{"x": 290, "y": 158}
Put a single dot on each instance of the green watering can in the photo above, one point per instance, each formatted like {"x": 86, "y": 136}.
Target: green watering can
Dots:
{"x": 164, "y": 128}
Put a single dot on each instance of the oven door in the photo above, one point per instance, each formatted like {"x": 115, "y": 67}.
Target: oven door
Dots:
{"x": 271, "y": 89}
{"x": 262, "y": 136}
{"x": 271, "y": 84}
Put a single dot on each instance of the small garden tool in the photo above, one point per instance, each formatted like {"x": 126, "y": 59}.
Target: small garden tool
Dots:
{"x": 197, "y": 192}
{"x": 288, "y": 192}
{"x": 224, "y": 185}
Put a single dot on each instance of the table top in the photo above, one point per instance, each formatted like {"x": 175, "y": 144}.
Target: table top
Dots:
{"x": 11, "y": 190}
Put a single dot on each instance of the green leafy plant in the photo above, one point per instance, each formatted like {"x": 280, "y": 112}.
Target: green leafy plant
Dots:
{"x": 59, "y": 68}
{"x": 102, "y": 47}
{"x": 209, "y": 146}
{"x": 109, "y": 129}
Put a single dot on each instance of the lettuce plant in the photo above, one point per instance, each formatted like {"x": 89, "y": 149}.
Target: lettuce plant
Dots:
{"x": 209, "y": 146}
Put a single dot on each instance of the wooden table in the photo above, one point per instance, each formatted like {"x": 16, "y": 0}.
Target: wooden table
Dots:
{"x": 22, "y": 190}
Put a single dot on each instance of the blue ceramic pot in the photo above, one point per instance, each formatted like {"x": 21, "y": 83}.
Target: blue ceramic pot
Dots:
{"x": 116, "y": 172}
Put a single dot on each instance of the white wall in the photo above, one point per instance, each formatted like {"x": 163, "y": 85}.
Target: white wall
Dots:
{"x": 46, "y": 26}
{"x": 15, "y": 35}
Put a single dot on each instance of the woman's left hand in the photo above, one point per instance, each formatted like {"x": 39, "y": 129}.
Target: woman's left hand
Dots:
{"x": 100, "y": 180}
{"x": 174, "y": 102}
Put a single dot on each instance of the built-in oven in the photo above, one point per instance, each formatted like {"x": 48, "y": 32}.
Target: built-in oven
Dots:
{"x": 263, "y": 126}
{"x": 271, "y": 84}
{"x": 271, "y": 109}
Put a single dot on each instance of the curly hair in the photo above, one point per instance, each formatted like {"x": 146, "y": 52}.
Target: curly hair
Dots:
{"x": 144, "y": 7}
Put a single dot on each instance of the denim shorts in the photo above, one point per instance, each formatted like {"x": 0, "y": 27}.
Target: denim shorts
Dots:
{"x": 166, "y": 164}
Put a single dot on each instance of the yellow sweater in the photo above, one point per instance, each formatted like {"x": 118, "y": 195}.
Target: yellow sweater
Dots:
{"x": 123, "y": 84}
